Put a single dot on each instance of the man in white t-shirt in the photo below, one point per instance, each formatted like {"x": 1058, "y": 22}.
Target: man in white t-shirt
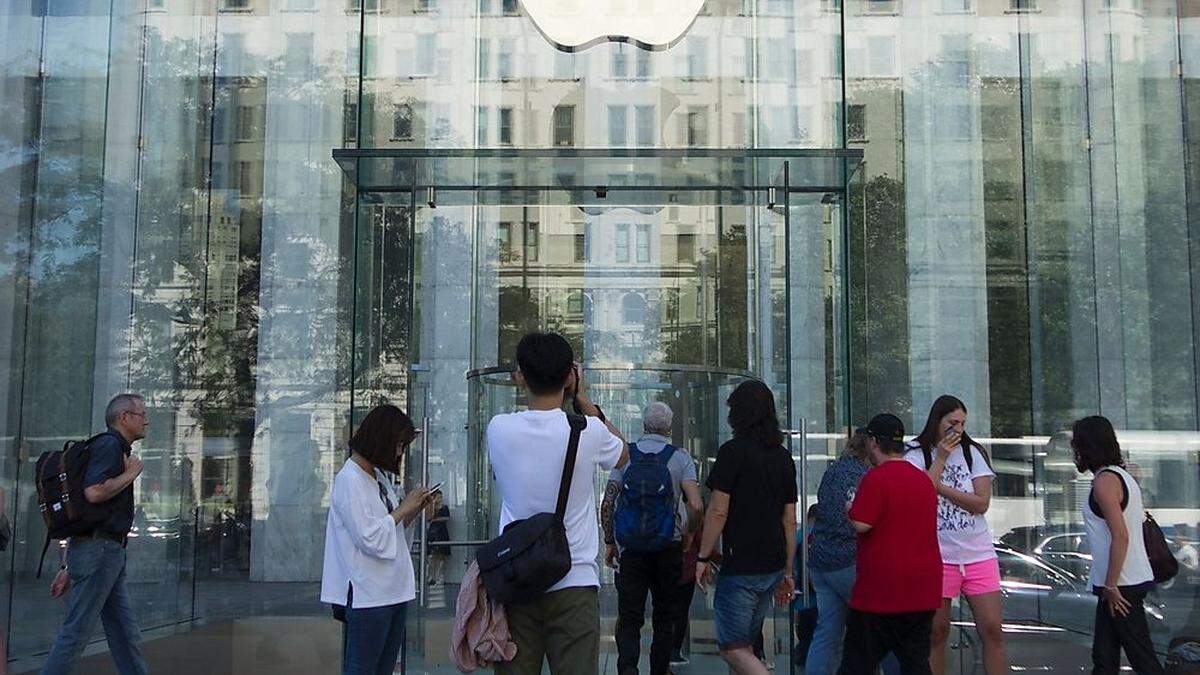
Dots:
{"x": 526, "y": 450}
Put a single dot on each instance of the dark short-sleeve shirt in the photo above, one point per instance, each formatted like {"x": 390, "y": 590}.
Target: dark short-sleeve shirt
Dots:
{"x": 106, "y": 461}
{"x": 834, "y": 540}
{"x": 760, "y": 480}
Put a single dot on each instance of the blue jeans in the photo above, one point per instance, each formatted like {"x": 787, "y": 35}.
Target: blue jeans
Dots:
{"x": 740, "y": 606}
{"x": 833, "y": 599}
{"x": 97, "y": 570}
{"x": 374, "y": 637}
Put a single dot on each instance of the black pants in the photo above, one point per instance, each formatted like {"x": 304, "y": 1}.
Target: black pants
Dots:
{"x": 869, "y": 637}
{"x": 657, "y": 574}
{"x": 683, "y": 611}
{"x": 1130, "y": 632}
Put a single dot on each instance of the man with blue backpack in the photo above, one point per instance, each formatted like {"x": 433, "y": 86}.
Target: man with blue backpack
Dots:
{"x": 644, "y": 528}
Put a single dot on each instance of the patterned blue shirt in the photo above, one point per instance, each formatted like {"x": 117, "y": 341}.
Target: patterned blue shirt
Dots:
{"x": 834, "y": 541}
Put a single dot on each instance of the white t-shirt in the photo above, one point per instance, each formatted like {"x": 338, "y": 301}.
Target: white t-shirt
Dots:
{"x": 527, "y": 450}
{"x": 363, "y": 545}
{"x": 964, "y": 537}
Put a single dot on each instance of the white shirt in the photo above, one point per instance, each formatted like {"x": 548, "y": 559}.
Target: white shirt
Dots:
{"x": 1136, "y": 569}
{"x": 363, "y": 545}
{"x": 527, "y": 450}
{"x": 964, "y": 537}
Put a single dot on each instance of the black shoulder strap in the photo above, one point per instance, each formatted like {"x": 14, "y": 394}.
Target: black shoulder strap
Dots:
{"x": 578, "y": 424}
{"x": 928, "y": 452}
{"x": 969, "y": 455}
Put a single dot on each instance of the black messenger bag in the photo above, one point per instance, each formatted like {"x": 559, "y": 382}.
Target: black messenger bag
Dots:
{"x": 531, "y": 555}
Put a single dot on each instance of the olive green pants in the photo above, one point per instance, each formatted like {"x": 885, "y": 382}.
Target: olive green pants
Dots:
{"x": 562, "y": 627}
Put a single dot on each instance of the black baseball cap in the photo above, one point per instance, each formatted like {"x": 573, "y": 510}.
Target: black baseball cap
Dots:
{"x": 886, "y": 427}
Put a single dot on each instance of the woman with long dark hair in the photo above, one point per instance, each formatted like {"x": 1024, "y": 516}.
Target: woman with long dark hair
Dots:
{"x": 368, "y": 570}
{"x": 962, "y": 473}
{"x": 1121, "y": 574}
{"x": 753, "y": 503}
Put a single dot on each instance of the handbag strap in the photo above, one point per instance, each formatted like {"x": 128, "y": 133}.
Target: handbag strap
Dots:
{"x": 578, "y": 424}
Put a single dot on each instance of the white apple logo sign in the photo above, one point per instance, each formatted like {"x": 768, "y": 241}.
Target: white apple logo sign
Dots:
{"x": 576, "y": 24}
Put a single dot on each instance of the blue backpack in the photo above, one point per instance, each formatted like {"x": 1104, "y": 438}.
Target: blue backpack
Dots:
{"x": 644, "y": 520}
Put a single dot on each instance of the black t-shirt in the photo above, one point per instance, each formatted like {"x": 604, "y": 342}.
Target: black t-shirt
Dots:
{"x": 760, "y": 480}
{"x": 107, "y": 460}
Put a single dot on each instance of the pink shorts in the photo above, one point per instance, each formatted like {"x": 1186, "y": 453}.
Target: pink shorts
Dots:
{"x": 971, "y": 579}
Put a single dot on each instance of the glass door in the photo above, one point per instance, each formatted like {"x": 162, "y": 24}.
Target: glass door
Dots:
{"x": 667, "y": 293}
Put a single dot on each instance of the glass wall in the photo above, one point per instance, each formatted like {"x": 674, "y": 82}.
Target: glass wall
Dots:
{"x": 171, "y": 223}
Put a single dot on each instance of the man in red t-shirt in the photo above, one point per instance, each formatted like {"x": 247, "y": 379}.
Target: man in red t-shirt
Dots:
{"x": 899, "y": 577}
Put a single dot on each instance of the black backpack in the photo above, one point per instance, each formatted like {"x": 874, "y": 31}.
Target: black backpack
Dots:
{"x": 531, "y": 555}
{"x": 60, "y": 494}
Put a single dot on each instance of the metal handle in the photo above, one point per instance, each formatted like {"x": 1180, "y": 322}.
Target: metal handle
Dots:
{"x": 424, "y": 562}
{"x": 802, "y": 541}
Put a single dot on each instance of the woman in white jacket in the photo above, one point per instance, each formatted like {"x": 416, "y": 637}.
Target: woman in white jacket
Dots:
{"x": 368, "y": 567}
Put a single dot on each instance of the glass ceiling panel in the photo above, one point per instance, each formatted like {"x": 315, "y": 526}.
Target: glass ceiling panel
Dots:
{"x": 584, "y": 176}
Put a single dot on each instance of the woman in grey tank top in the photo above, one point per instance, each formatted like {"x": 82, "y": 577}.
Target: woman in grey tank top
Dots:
{"x": 1121, "y": 574}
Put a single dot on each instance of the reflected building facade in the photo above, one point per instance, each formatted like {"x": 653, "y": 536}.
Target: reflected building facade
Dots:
{"x": 1024, "y": 235}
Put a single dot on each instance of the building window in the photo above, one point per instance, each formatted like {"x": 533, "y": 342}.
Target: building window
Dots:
{"x": 1022, "y": 5}
{"x": 622, "y": 243}
{"x": 697, "y": 57}
{"x": 245, "y": 123}
{"x": 881, "y": 54}
{"x": 644, "y": 120}
{"x": 484, "y": 48}
{"x": 532, "y": 242}
{"x": 510, "y": 7}
{"x": 505, "y": 66}
{"x": 633, "y": 309}
{"x": 619, "y": 63}
{"x": 697, "y": 127}
{"x": 481, "y": 125}
{"x": 564, "y": 126}
{"x": 504, "y": 242}
{"x": 402, "y": 122}
{"x": 426, "y": 57}
{"x": 685, "y": 248}
{"x": 856, "y": 122}
{"x": 235, "y": 4}
{"x": 618, "y": 128}
{"x": 643, "y": 64}
{"x": 425, "y": 6}
{"x": 575, "y": 302}
{"x": 246, "y": 178}
{"x": 564, "y": 65}
{"x": 506, "y": 126}
{"x": 643, "y": 243}
{"x": 958, "y": 6}
{"x": 349, "y": 122}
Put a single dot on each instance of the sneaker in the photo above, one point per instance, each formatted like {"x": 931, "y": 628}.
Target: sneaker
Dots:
{"x": 678, "y": 659}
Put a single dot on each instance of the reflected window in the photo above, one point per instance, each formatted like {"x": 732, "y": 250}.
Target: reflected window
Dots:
{"x": 619, "y": 63}
{"x": 483, "y": 48}
{"x": 643, "y": 243}
{"x": 426, "y": 57}
{"x": 697, "y": 57}
{"x": 643, "y": 64}
{"x": 235, "y": 4}
{"x": 564, "y": 126}
{"x": 1023, "y": 5}
{"x": 618, "y": 131}
{"x": 685, "y": 248}
{"x": 583, "y": 251}
{"x": 425, "y": 5}
{"x": 508, "y": 49}
{"x": 633, "y": 309}
{"x": 575, "y": 303}
{"x": 506, "y": 126}
{"x": 504, "y": 242}
{"x": 245, "y": 123}
{"x": 956, "y": 6}
{"x": 402, "y": 122}
{"x": 564, "y": 65}
{"x": 623, "y": 243}
{"x": 246, "y": 180}
{"x": 856, "y": 122}
{"x": 881, "y": 54}
{"x": 644, "y": 120}
{"x": 532, "y": 242}
{"x": 697, "y": 126}
{"x": 481, "y": 125}
{"x": 510, "y": 7}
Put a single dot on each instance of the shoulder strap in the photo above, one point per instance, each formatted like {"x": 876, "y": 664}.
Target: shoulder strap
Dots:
{"x": 928, "y": 452}
{"x": 578, "y": 424}
{"x": 664, "y": 455}
{"x": 969, "y": 455}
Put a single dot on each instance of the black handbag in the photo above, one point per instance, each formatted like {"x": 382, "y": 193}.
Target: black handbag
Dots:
{"x": 531, "y": 555}
{"x": 1162, "y": 561}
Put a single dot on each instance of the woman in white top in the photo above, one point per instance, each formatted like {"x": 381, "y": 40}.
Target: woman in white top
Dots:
{"x": 969, "y": 564}
{"x": 1121, "y": 573}
{"x": 368, "y": 566}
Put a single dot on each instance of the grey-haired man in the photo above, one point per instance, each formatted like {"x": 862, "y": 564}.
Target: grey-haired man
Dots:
{"x": 656, "y": 572}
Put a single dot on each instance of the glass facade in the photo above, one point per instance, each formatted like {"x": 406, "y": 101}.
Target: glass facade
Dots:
{"x": 1021, "y": 233}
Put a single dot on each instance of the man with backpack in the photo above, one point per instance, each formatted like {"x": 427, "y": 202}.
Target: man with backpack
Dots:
{"x": 527, "y": 451}
{"x": 644, "y": 529}
{"x": 93, "y": 576}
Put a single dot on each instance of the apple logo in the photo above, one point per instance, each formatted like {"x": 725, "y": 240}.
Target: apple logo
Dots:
{"x": 577, "y": 24}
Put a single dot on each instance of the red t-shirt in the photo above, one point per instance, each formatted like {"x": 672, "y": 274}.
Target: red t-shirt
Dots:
{"x": 899, "y": 563}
